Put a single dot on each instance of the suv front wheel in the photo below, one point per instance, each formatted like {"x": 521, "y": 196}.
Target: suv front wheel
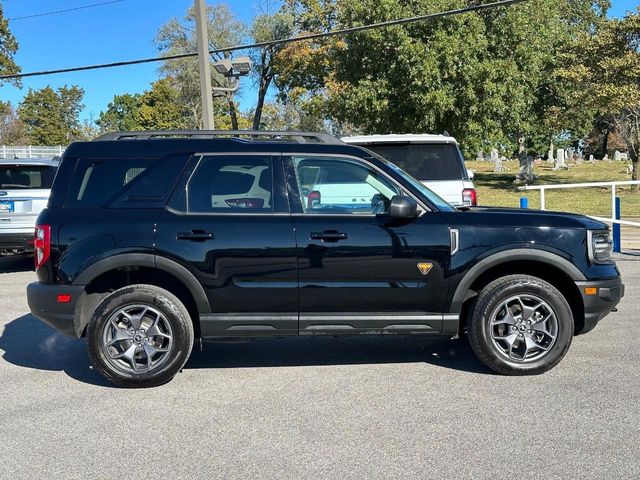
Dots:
{"x": 520, "y": 325}
{"x": 140, "y": 336}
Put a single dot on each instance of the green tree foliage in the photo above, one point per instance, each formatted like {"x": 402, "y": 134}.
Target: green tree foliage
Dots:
{"x": 8, "y": 48}
{"x": 51, "y": 117}
{"x": 484, "y": 77}
{"x": 120, "y": 114}
{"x": 160, "y": 108}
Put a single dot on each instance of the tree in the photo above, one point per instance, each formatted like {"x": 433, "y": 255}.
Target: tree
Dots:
{"x": 51, "y": 117}
{"x": 8, "y": 48}
{"x": 160, "y": 108}
{"x": 179, "y": 36}
{"x": 484, "y": 76}
{"x": 120, "y": 114}
{"x": 12, "y": 130}
{"x": 267, "y": 27}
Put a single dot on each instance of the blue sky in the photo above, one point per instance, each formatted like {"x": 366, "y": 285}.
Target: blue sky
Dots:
{"x": 109, "y": 33}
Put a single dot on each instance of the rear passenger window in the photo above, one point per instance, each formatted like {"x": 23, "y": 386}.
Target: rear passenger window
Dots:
{"x": 226, "y": 184}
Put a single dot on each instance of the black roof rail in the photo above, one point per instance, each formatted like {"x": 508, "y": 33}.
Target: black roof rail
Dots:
{"x": 299, "y": 137}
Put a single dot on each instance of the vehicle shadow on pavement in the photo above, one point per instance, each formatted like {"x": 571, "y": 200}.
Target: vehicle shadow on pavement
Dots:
{"x": 27, "y": 342}
{"x": 356, "y": 350}
{"x": 16, "y": 263}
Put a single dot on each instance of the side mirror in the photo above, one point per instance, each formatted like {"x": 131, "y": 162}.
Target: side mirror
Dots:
{"x": 403, "y": 207}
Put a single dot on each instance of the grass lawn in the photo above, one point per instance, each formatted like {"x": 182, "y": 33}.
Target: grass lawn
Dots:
{"x": 499, "y": 189}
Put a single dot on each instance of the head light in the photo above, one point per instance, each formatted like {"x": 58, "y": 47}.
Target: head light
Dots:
{"x": 599, "y": 245}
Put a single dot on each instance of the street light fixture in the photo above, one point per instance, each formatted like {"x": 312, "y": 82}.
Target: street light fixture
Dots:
{"x": 232, "y": 69}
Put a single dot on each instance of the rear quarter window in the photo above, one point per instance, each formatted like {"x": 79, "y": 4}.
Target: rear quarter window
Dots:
{"x": 124, "y": 183}
{"x": 426, "y": 161}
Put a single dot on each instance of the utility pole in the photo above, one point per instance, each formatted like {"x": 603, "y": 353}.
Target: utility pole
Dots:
{"x": 205, "y": 69}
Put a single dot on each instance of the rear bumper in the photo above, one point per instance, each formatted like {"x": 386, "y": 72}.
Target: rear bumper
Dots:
{"x": 43, "y": 303}
{"x": 16, "y": 242}
{"x": 599, "y": 305}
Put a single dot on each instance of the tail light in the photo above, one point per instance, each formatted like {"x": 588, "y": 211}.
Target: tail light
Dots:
{"x": 42, "y": 244}
{"x": 313, "y": 199}
{"x": 245, "y": 202}
{"x": 469, "y": 197}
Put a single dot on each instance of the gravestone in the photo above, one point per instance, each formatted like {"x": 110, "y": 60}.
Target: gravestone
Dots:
{"x": 624, "y": 156}
{"x": 592, "y": 159}
{"x": 550, "y": 155}
{"x": 497, "y": 161}
{"x": 616, "y": 155}
{"x": 560, "y": 160}
{"x": 569, "y": 155}
{"x": 606, "y": 157}
{"x": 480, "y": 156}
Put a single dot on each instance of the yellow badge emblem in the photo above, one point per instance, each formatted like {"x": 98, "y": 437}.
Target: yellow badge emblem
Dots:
{"x": 424, "y": 267}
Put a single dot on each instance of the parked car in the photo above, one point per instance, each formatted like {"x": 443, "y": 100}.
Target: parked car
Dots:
{"x": 24, "y": 190}
{"x": 435, "y": 160}
{"x": 154, "y": 240}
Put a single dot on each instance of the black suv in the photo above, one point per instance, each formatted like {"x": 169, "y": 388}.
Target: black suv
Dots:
{"x": 154, "y": 240}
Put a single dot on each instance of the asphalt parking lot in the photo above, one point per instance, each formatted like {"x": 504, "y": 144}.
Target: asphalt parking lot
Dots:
{"x": 320, "y": 408}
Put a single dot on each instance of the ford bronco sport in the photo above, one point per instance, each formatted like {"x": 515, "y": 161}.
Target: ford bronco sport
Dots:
{"x": 153, "y": 240}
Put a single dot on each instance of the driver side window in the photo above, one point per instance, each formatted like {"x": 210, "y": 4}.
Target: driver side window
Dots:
{"x": 331, "y": 185}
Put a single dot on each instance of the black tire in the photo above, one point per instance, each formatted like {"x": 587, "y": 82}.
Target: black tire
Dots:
{"x": 177, "y": 319}
{"x": 491, "y": 300}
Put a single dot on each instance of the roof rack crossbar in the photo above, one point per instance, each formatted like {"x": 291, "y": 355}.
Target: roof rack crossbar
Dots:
{"x": 300, "y": 137}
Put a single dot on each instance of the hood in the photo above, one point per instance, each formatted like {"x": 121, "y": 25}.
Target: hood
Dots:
{"x": 525, "y": 217}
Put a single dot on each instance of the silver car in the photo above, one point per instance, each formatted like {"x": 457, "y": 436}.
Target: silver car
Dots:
{"x": 25, "y": 185}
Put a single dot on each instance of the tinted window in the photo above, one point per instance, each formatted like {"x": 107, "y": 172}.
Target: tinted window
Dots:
{"x": 231, "y": 184}
{"x": 424, "y": 161}
{"x": 341, "y": 186}
{"x": 26, "y": 176}
{"x": 124, "y": 183}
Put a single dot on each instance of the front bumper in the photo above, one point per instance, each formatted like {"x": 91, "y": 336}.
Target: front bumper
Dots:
{"x": 44, "y": 304}
{"x": 607, "y": 295}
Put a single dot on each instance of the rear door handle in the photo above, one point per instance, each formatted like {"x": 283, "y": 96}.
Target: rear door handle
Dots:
{"x": 195, "y": 236}
{"x": 328, "y": 236}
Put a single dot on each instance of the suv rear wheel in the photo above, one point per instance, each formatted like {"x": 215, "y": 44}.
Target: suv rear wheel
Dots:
{"x": 521, "y": 325}
{"x": 140, "y": 336}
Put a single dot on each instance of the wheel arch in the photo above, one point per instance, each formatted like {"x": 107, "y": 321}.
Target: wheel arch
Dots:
{"x": 548, "y": 266}
{"x": 125, "y": 269}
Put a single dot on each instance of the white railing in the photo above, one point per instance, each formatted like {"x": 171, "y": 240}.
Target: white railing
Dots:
{"x": 611, "y": 185}
{"x": 30, "y": 151}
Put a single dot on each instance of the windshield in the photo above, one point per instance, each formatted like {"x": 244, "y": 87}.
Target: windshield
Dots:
{"x": 26, "y": 176}
{"x": 431, "y": 196}
{"x": 425, "y": 161}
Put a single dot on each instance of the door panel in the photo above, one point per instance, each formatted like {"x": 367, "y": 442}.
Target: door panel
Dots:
{"x": 359, "y": 267}
{"x": 237, "y": 244}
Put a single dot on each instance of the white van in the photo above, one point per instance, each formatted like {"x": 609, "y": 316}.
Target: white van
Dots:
{"x": 435, "y": 160}
{"x": 25, "y": 185}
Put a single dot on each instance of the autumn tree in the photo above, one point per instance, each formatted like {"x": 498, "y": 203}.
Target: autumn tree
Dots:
{"x": 12, "y": 130}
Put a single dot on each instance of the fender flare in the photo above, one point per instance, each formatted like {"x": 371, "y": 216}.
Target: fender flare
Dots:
{"x": 151, "y": 261}
{"x": 541, "y": 256}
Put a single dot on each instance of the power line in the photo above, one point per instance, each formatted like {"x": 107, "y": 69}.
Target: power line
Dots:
{"x": 312, "y": 36}
{"x": 44, "y": 14}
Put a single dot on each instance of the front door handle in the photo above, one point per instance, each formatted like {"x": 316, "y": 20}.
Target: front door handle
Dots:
{"x": 195, "y": 236}
{"x": 328, "y": 236}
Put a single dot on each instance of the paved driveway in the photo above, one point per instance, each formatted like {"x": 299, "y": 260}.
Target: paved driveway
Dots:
{"x": 320, "y": 408}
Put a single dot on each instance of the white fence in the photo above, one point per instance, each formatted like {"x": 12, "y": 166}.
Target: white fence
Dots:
{"x": 611, "y": 185}
{"x": 30, "y": 151}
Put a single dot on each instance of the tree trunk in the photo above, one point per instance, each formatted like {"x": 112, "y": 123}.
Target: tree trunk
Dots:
{"x": 265, "y": 81}
{"x": 605, "y": 142}
{"x": 233, "y": 112}
{"x": 262, "y": 93}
